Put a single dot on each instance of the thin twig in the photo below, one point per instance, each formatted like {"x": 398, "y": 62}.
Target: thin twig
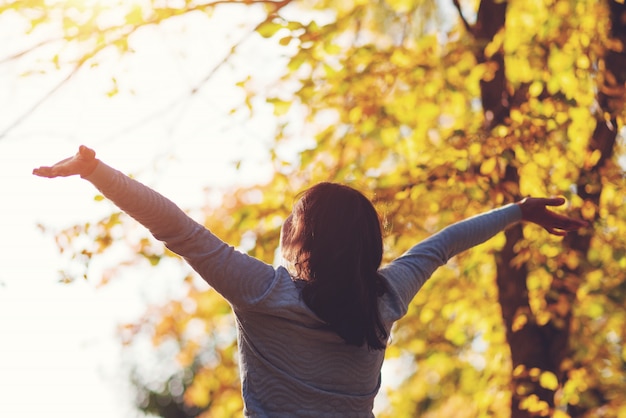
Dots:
{"x": 20, "y": 54}
{"x": 38, "y": 103}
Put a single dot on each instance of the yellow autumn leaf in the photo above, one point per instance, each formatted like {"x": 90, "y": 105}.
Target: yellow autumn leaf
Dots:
{"x": 572, "y": 259}
{"x": 588, "y": 211}
{"x": 400, "y": 58}
{"x": 488, "y": 166}
{"x": 281, "y": 107}
{"x": 542, "y": 318}
{"x": 519, "y": 322}
{"x": 548, "y": 380}
{"x": 269, "y": 29}
{"x": 390, "y": 136}
{"x": 534, "y": 405}
{"x": 535, "y": 89}
{"x": 355, "y": 114}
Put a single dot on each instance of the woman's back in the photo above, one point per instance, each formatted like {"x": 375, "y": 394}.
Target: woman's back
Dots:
{"x": 293, "y": 365}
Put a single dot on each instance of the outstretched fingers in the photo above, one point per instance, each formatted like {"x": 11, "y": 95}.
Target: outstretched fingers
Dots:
{"x": 553, "y": 201}
{"x": 557, "y": 232}
{"x": 560, "y": 225}
{"x": 43, "y": 172}
{"x": 57, "y": 170}
{"x": 567, "y": 223}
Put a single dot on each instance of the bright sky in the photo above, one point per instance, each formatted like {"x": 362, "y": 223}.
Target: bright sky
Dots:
{"x": 58, "y": 352}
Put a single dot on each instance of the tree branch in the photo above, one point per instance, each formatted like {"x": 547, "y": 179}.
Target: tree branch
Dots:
{"x": 38, "y": 103}
{"x": 468, "y": 27}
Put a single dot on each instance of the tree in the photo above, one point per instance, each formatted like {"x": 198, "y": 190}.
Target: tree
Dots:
{"x": 437, "y": 117}
{"x": 543, "y": 345}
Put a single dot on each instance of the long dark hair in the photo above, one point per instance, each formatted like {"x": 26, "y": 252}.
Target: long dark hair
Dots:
{"x": 333, "y": 240}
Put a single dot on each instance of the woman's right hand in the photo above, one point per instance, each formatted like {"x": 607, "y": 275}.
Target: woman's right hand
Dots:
{"x": 83, "y": 164}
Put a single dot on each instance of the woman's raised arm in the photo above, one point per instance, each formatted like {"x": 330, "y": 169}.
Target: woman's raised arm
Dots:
{"x": 241, "y": 279}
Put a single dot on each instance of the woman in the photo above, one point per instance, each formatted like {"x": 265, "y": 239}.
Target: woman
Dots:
{"x": 312, "y": 335}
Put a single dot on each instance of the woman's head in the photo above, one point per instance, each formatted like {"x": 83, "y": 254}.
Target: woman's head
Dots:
{"x": 333, "y": 241}
{"x": 331, "y": 222}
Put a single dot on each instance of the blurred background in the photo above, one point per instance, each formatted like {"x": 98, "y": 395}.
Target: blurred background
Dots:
{"x": 437, "y": 110}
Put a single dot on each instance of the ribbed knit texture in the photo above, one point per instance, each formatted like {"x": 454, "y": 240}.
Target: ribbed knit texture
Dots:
{"x": 291, "y": 365}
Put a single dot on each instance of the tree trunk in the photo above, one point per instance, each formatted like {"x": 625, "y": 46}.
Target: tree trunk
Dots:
{"x": 529, "y": 345}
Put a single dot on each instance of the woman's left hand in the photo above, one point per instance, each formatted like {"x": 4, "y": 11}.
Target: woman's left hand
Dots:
{"x": 535, "y": 209}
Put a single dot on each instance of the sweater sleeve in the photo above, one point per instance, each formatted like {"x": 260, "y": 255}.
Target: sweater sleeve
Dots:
{"x": 408, "y": 273}
{"x": 241, "y": 279}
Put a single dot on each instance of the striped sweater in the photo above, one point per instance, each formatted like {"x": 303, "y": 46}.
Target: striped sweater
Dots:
{"x": 290, "y": 364}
